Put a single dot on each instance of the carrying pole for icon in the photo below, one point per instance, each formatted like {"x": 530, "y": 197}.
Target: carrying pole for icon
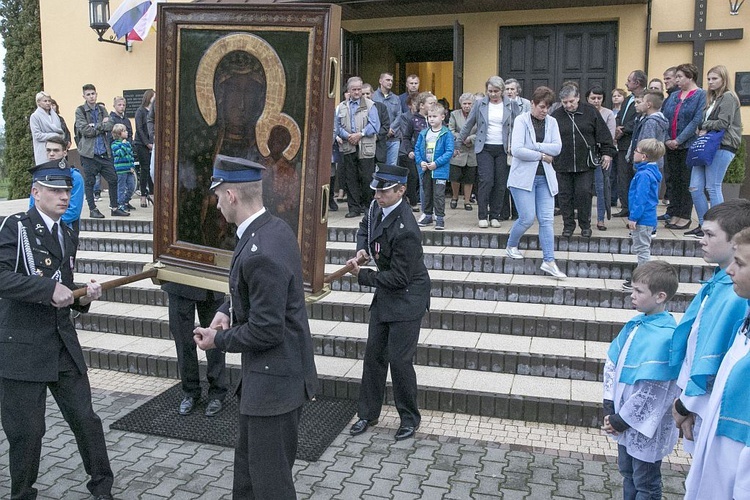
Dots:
{"x": 347, "y": 268}
{"x": 151, "y": 273}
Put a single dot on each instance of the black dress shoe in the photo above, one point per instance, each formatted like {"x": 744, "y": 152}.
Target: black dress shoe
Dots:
{"x": 96, "y": 214}
{"x": 586, "y": 233}
{"x": 405, "y": 432}
{"x": 333, "y": 206}
{"x": 675, "y": 226}
{"x": 187, "y": 406}
{"x": 361, "y": 426}
{"x": 352, "y": 214}
{"x": 567, "y": 233}
{"x": 214, "y": 407}
{"x": 621, "y": 213}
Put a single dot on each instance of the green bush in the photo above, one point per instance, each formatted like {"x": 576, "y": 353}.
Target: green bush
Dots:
{"x": 736, "y": 171}
{"x": 20, "y": 29}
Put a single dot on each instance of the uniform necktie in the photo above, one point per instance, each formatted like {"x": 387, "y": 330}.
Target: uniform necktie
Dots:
{"x": 56, "y": 236}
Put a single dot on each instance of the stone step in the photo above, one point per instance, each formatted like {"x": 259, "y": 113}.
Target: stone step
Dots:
{"x": 557, "y": 358}
{"x": 574, "y": 264}
{"x": 118, "y": 230}
{"x": 115, "y": 225}
{"x": 502, "y": 395}
{"x": 667, "y": 245}
{"x": 107, "y": 241}
{"x": 584, "y": 292}
{"x": 599, "y": 324}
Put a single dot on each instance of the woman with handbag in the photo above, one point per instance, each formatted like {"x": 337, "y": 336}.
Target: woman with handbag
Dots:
{"x": 586, "y": 144}
{"x": 684, "y": 110}
{"x": 721, "y": 116}
{"x": 532, "y": 180}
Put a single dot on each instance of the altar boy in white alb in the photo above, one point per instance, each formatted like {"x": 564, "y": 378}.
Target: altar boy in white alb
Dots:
{"x": 640, "y": 384}
{"x": 721, "y": 461}
{"x": 707, "y": 327}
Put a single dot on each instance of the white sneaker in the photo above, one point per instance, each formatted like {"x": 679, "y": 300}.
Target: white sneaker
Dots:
{"x": 483, "y": 223}
{"x": 495, "y": 223}
{"x": 552, "y": 269}
{"x": 513, "y": 253}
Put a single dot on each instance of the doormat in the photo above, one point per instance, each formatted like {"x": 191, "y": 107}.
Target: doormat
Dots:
{"x": 322, "y": 420}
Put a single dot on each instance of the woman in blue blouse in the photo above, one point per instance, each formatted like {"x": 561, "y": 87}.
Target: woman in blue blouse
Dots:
{"x": 684, "y": 110}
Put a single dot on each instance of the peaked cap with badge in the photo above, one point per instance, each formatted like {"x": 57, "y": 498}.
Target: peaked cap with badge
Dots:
{"x": 232, "y": 169}
{"x": 53, "y": 174}
{"x": 388, "y": 176}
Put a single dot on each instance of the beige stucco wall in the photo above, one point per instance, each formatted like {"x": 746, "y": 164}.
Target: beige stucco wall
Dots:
{"x": 73, "y": 56}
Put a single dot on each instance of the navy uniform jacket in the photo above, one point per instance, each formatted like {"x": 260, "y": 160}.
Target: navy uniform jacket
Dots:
{"x": 269, "y": 320}
{"x": 402, "y": 284}
{"x": 32, "y": 332}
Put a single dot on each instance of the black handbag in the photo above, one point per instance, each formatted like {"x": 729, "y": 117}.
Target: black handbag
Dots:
{"x": 594, "y": 159}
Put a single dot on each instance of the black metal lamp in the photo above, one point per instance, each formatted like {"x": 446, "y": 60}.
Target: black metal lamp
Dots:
{"x": 98, "y": 17}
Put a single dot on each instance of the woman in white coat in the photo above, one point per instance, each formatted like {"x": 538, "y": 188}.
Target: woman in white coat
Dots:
{"x": 532, "y": 180}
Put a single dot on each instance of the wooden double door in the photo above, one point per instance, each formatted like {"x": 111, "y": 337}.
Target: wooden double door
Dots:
{"x": 552, "y": 54}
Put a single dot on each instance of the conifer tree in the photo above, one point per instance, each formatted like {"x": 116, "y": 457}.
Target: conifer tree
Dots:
{"x": 21, "y": 32}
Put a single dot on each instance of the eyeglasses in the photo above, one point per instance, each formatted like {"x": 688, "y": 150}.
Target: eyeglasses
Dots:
{"x": 639, "y": 151}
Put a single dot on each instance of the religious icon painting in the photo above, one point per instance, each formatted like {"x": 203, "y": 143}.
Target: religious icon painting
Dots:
{"x": 249, "y": 81}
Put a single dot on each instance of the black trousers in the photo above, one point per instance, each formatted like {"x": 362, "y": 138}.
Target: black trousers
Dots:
{"x": 91, "y": 168}
{"x": 625, "y": 174}
{"x": 145, "y": 182}
{"x": 357, "y": 173}
{"x": 492, "y": 170}
{"x": 394, "y": 343}
{"x": 575, "y": 193}
{"x": 412, "y": 181}
{"x": 22, "y": 407}
{"x": 181, "y": 325}
{"x": 678, "y": 184}
{"x": 264, "y": 457}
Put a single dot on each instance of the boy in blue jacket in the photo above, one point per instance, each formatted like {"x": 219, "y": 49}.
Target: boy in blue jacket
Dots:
{"x": 433, "y": 153}
{"x": 644, "y": 196}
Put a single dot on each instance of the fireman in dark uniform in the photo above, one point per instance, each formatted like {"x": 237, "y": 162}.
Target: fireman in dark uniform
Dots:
{"x": 39, "y": 348}
{"x": 389, "y": 234}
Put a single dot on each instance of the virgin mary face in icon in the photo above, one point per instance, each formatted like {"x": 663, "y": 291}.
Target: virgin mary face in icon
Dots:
{"x": 240, "y": 90}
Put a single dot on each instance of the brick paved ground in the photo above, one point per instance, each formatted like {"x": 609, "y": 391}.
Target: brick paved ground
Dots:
{"x": 444, "y": 462}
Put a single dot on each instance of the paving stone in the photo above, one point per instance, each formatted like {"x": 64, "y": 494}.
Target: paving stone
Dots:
{"x": 460, "y": 490}
{"x": 410, "y": 483}
{"x": 349, "y": 491}
{"x": 381, "y": 487}
{"x": 515, "y": 480}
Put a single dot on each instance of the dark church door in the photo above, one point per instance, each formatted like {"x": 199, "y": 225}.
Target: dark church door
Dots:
{"x": 552, "y": 54}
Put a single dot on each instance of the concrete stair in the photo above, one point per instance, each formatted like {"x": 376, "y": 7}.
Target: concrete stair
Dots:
{"x": 501, "y": 339}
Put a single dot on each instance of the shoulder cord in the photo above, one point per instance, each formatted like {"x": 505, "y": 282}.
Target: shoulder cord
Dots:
{"x": 370, "y": 215}
{"x": 25, "y": 246}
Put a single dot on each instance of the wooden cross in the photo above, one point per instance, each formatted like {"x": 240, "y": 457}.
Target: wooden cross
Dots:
{"x": 700, "y": 35}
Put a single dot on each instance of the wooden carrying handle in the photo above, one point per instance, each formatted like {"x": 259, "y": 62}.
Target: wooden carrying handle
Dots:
{"x": 151, "y": 273}
{"x": 337, "y": 274}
